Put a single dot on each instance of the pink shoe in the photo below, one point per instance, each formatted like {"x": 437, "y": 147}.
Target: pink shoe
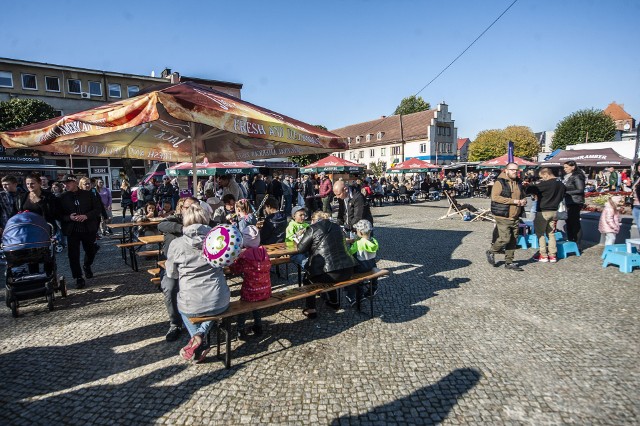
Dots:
{"x": 188, "y": 351}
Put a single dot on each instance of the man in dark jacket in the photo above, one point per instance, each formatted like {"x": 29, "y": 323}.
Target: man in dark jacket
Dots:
{"x": 165, "y": 191}
{"x": 79, "y": 211}
{"x": 352, "y": 206}
{"x": 549, "y": 193}
{"x": 275, "y": 223}
{"x": 507, "y": 202}
{"x": 8, "y": 199}
{"x": 275, "y": 189}
{"x": 171, "y": 228}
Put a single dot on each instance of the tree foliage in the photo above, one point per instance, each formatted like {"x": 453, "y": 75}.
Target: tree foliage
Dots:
{"x": 412, "y": 104}
{"x": 303, "y": 160}
{"x": 19, "y": 112}
{"x": 378, "y": 168}
{"x": 493, "y": 143}
{"x": 586, "y": 125}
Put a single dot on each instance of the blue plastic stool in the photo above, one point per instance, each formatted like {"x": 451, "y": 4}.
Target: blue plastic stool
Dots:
{"x": 626, "y": 261}
{"x": 567, "y": 247}
{"x": 522, "y": 242}
{"x": 532, "y": 240}
{"x": 616, "y": 247}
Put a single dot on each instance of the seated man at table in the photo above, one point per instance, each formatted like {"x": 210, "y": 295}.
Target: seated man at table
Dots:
{"x": 171, "y": 228}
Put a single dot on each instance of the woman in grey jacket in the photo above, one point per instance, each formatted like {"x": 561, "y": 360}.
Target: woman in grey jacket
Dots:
{"x": 203, "y": 288}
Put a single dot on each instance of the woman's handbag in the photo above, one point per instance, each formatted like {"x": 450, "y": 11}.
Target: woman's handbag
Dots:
{"x": 562, "y": 211}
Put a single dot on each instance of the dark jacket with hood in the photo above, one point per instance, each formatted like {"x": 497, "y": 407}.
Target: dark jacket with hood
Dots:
{"x": 274, "y": 228}
{"x": 327, "y": 248}
{"x": 171, "y": 228}
{"x": 358, "y": 209}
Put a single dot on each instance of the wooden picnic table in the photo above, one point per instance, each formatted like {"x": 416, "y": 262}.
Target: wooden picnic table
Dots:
{"x": 127, "y": 228}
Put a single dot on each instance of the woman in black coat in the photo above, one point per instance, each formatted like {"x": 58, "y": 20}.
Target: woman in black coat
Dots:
{"x": 329, "y": 260}
{"x": 574, "y": 181}
{"x": 37, "y": 200}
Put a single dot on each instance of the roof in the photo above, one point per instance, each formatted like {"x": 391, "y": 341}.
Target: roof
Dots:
{"x": 617, "y": 112}
{"x": 462, "y": 141}
{"x": 394, "y": 128}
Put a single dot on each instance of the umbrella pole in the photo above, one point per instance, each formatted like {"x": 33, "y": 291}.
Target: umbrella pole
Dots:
{"x": 194, "y": 182}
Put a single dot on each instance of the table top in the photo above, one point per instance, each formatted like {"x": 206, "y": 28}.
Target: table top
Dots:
{"x": 151, "y": 239}
{"x": 632, "y": 241}
{"x": 130, "y": 224}
{"x": 281, "y": 249}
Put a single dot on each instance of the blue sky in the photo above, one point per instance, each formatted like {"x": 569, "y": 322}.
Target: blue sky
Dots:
{"x": 342, "y": 62}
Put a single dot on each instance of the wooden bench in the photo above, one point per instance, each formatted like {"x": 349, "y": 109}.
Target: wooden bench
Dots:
{"x": 131, "y": 247}
{"x": 224, "y": 320}
{"x": 286, "y": 260}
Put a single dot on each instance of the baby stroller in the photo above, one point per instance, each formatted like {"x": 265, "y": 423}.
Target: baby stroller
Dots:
{"x": 31, "y": 263}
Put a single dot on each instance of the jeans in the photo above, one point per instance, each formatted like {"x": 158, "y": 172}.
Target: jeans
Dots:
{"x": 300, "y": 259}
{"x": 88, "y": 241}
{"x": 326, "y": 204}
{"x": 202, "y": 328}
{"x": 636, "y": 215}
{"x": 507, "y": 237}
{"x": 545, "y": 224}
{"x": 170, "y": 289}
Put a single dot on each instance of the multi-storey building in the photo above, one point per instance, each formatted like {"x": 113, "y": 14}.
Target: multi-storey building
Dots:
{"x": 71, "y": 89}
{"x": 427, "y": 135}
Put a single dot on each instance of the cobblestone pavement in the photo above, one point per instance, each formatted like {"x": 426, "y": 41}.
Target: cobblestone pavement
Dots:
{"x": 454, "y": 341}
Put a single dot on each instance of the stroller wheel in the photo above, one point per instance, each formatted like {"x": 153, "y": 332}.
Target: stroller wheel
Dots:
{"x": 14, "y": 308}
{"x": 50, "y": 301}
{"x": 62, "y": 285}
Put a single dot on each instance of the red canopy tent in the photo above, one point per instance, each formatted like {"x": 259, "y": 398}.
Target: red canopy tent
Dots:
{"x": 414, "y": 165}
{"x": 503, "y": 160}
{"x": 333, "y": 164}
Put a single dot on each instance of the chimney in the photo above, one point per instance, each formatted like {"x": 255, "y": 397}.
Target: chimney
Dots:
{"x": 383, "y": 116}
{"x": 165, "y": 73}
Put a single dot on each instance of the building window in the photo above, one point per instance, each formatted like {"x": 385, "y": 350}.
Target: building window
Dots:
{"x": 368, "y": 138}
{"x": 358, "y": 139}
{"x": 383, "y": 151}
{"x": 395, "y": 150}
{"x": 380, "y": 135}
{"x": 74, "y": 86}
{"x": 423, "y": 148}
{"x": 114, "y": 91}
{"x": 372, "y": 153}
{"x": 95, "y": 88}
{"x": 51, "y": 84}
{"x": 6, "y": 79}
{"x": 132, "y": 91}
{"x": 29, "y": 82}
{"x": 58, "y": 112}
{"x": 361, "y": 153}
{"x": 348, "y": 140}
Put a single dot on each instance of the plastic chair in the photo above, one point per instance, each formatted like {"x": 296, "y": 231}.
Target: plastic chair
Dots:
{"x": 616, "y": 247}
{"x": 522, "y": 242}
{"x": 532, "y": 240}
{"x": 567, "y": 247}
{"x": 625, "y": 261}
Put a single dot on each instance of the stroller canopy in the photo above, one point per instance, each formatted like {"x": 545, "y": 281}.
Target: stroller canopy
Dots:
{"x": 26, "y": 230}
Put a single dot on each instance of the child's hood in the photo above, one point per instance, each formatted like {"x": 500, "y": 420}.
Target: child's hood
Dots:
{"x": 257, "y": 254}
{"x": 370, "y": 245}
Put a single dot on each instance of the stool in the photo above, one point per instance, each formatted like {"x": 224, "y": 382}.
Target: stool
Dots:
{"x": 567, "y": 247}
{"x": 616, "y": 247}
{"x": 626, "y": 261}
{"x": 522, "y": 242}
{"x": 532, "y": 240}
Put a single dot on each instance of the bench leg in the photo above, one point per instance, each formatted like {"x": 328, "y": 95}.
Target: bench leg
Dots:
{"x": 299, "y": 275}
{"x": 227, "y": 330}
{"x": 218, "y": 340}
{"x": 372, "y": 283}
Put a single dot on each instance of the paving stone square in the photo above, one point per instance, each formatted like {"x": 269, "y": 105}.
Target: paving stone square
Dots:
{"x": 453, "y": 341}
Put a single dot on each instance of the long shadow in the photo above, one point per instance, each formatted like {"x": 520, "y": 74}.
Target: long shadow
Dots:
{"x": 138, "y": 401}
{"x": 37, "y": 370}
{"x": 427, "y": 406}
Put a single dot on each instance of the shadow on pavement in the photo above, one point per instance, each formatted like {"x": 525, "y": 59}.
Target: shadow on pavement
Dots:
{"x": 428, "y": 405}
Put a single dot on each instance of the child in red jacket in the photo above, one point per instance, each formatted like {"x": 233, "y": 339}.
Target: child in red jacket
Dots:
{"x": 255, "y": 267}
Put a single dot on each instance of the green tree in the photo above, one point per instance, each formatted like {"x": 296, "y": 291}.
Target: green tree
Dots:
{"x": 493, "y": 143}
{"x": 19, "y": 112}
{"x": 585, "y": 125}
{"x": 378, "y": 168}
{"x": 412, "y": 104}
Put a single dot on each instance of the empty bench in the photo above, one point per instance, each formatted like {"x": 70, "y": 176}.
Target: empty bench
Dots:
{"x": 224, "y": 320}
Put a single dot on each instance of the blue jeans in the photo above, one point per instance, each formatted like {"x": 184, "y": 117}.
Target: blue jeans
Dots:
{"x": 636, "y": 215}
{"x": 202, "y": 328}
{"x": 300, "y": 259}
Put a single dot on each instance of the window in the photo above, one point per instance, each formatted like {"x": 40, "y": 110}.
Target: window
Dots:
{"x": 395, "y": 150}
{"x": 51, "y": 84}
{"x": 380, "y": 135}
{"x": 114, "y": 91}
{"x": 423, "y": 148}
{"x": 361, "y": 153}
{"x": 372, "y": 153}
{"x": 95, "y": 88}
{"x": 6, "y": 79}
{"x": 58, "y": 112}
{"x": 132, "y": 91}
{"x": 448, "y": 131}
{"x": 29, "y": 82}
{"x": 358, "y": 139}
{"x": 383, "y": 151}
{"x": 74, "y": 86}
{"x": 348, "y": 140}
{"x": 368, "y": 138}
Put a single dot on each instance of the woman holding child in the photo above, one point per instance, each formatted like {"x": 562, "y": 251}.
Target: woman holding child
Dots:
{"x": 329, "y": 260}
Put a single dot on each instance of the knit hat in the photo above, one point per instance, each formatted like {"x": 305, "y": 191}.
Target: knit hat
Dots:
{"x": 250, "y": 237}
{"x": 295, "y": 210}
{"x": 364, "y": 226}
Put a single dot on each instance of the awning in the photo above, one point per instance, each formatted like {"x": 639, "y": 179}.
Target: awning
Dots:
{"x": 333, "y": 164}
{"x": 414, "y": 165}
{"x": 503, "y": 160}
{"x": 603, "y": 157}
{"x": 212, "y": 169}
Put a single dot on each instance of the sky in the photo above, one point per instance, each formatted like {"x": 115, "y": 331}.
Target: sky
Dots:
{"x": 338, "y": 63}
